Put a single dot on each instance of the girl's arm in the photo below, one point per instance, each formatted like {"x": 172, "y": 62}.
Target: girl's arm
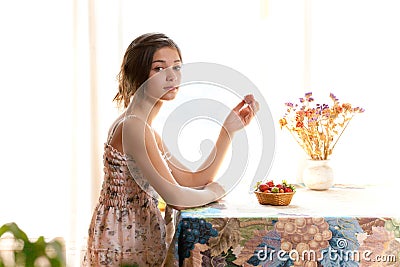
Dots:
{"x": 140, "y": 143}
{"x": 205, "y": 174}
{"x": 238, "y": 118}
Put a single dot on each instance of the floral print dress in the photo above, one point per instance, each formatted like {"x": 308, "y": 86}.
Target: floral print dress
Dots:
{"x": 127, "y": 228}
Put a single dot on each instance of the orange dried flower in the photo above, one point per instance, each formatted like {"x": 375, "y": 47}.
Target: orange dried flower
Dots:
{"x": 282, "y": 122}
{"x": 318, "y": 127}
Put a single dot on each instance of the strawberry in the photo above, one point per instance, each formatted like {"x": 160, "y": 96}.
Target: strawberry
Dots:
{"x": 270, "y": 183}
{"x": 263, "y": 187}
{"x": 288, "y": 190}
{"x": 271, "y": 187}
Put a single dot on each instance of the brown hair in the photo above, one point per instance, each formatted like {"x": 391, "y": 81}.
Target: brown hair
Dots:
{"x": 136, "y": 65}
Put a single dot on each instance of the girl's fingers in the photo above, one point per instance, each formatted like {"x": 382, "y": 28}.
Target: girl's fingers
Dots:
{"x": 256, "y": 106}
{"x": 249, "y": 99}
{"x": 239, "y": 106}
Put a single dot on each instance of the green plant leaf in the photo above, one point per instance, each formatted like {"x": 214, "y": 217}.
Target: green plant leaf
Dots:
{"x": 15, "y": 230}
{"x": 31, "y": 251}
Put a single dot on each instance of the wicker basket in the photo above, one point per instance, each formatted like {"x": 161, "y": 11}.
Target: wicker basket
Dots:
{"x": 276, "y": 199}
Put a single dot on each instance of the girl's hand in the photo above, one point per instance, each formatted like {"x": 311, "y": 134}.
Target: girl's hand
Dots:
{"x": 241, "y": 115}
{"x": 218, "y": 190}
{"x": 213, "y": 187}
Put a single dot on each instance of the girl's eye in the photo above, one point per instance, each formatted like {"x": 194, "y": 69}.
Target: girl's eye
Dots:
{"x": 177, "y": 68}
{"x": 158, "y": 69}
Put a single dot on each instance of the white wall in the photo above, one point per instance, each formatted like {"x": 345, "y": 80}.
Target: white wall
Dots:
{"x": 355, "y": 54}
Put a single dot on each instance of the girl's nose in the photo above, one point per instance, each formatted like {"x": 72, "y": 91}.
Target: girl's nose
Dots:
{"x": 171, "y": 76}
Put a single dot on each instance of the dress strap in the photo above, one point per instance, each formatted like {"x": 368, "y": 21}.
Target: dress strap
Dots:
{"x": 165, "y": 155}
{"x": 112, "y": 132}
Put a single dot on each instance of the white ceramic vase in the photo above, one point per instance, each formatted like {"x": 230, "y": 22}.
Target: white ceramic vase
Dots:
{"x": 318, "y": 175}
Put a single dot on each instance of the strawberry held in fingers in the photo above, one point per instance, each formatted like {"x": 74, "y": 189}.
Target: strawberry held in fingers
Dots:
{"x": 249, "y": 99}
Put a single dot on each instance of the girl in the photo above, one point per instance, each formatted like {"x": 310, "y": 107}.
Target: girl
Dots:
{"x": 127, "y": 227}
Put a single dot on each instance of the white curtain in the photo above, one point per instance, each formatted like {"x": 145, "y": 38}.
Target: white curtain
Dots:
{"x": 36, "y": 107}
{"x": 59, "y": 61}
{"x": 355, "y": 54}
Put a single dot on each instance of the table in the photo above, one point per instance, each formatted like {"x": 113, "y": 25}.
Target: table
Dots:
{"x": 343, "y": 226}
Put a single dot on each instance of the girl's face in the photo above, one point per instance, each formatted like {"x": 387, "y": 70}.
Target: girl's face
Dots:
{"x": 165, "y": 74}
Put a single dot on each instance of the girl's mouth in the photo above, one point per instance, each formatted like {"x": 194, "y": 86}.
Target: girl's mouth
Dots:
{"x": 170, "y": 88}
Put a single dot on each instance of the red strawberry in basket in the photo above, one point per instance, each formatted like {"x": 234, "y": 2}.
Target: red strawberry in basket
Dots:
{"x": 288, "y": 190}
{"x": 263, "y": 187}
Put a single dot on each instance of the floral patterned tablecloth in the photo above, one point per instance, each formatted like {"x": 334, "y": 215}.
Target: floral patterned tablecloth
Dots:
{"x": 245, "y": 233}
